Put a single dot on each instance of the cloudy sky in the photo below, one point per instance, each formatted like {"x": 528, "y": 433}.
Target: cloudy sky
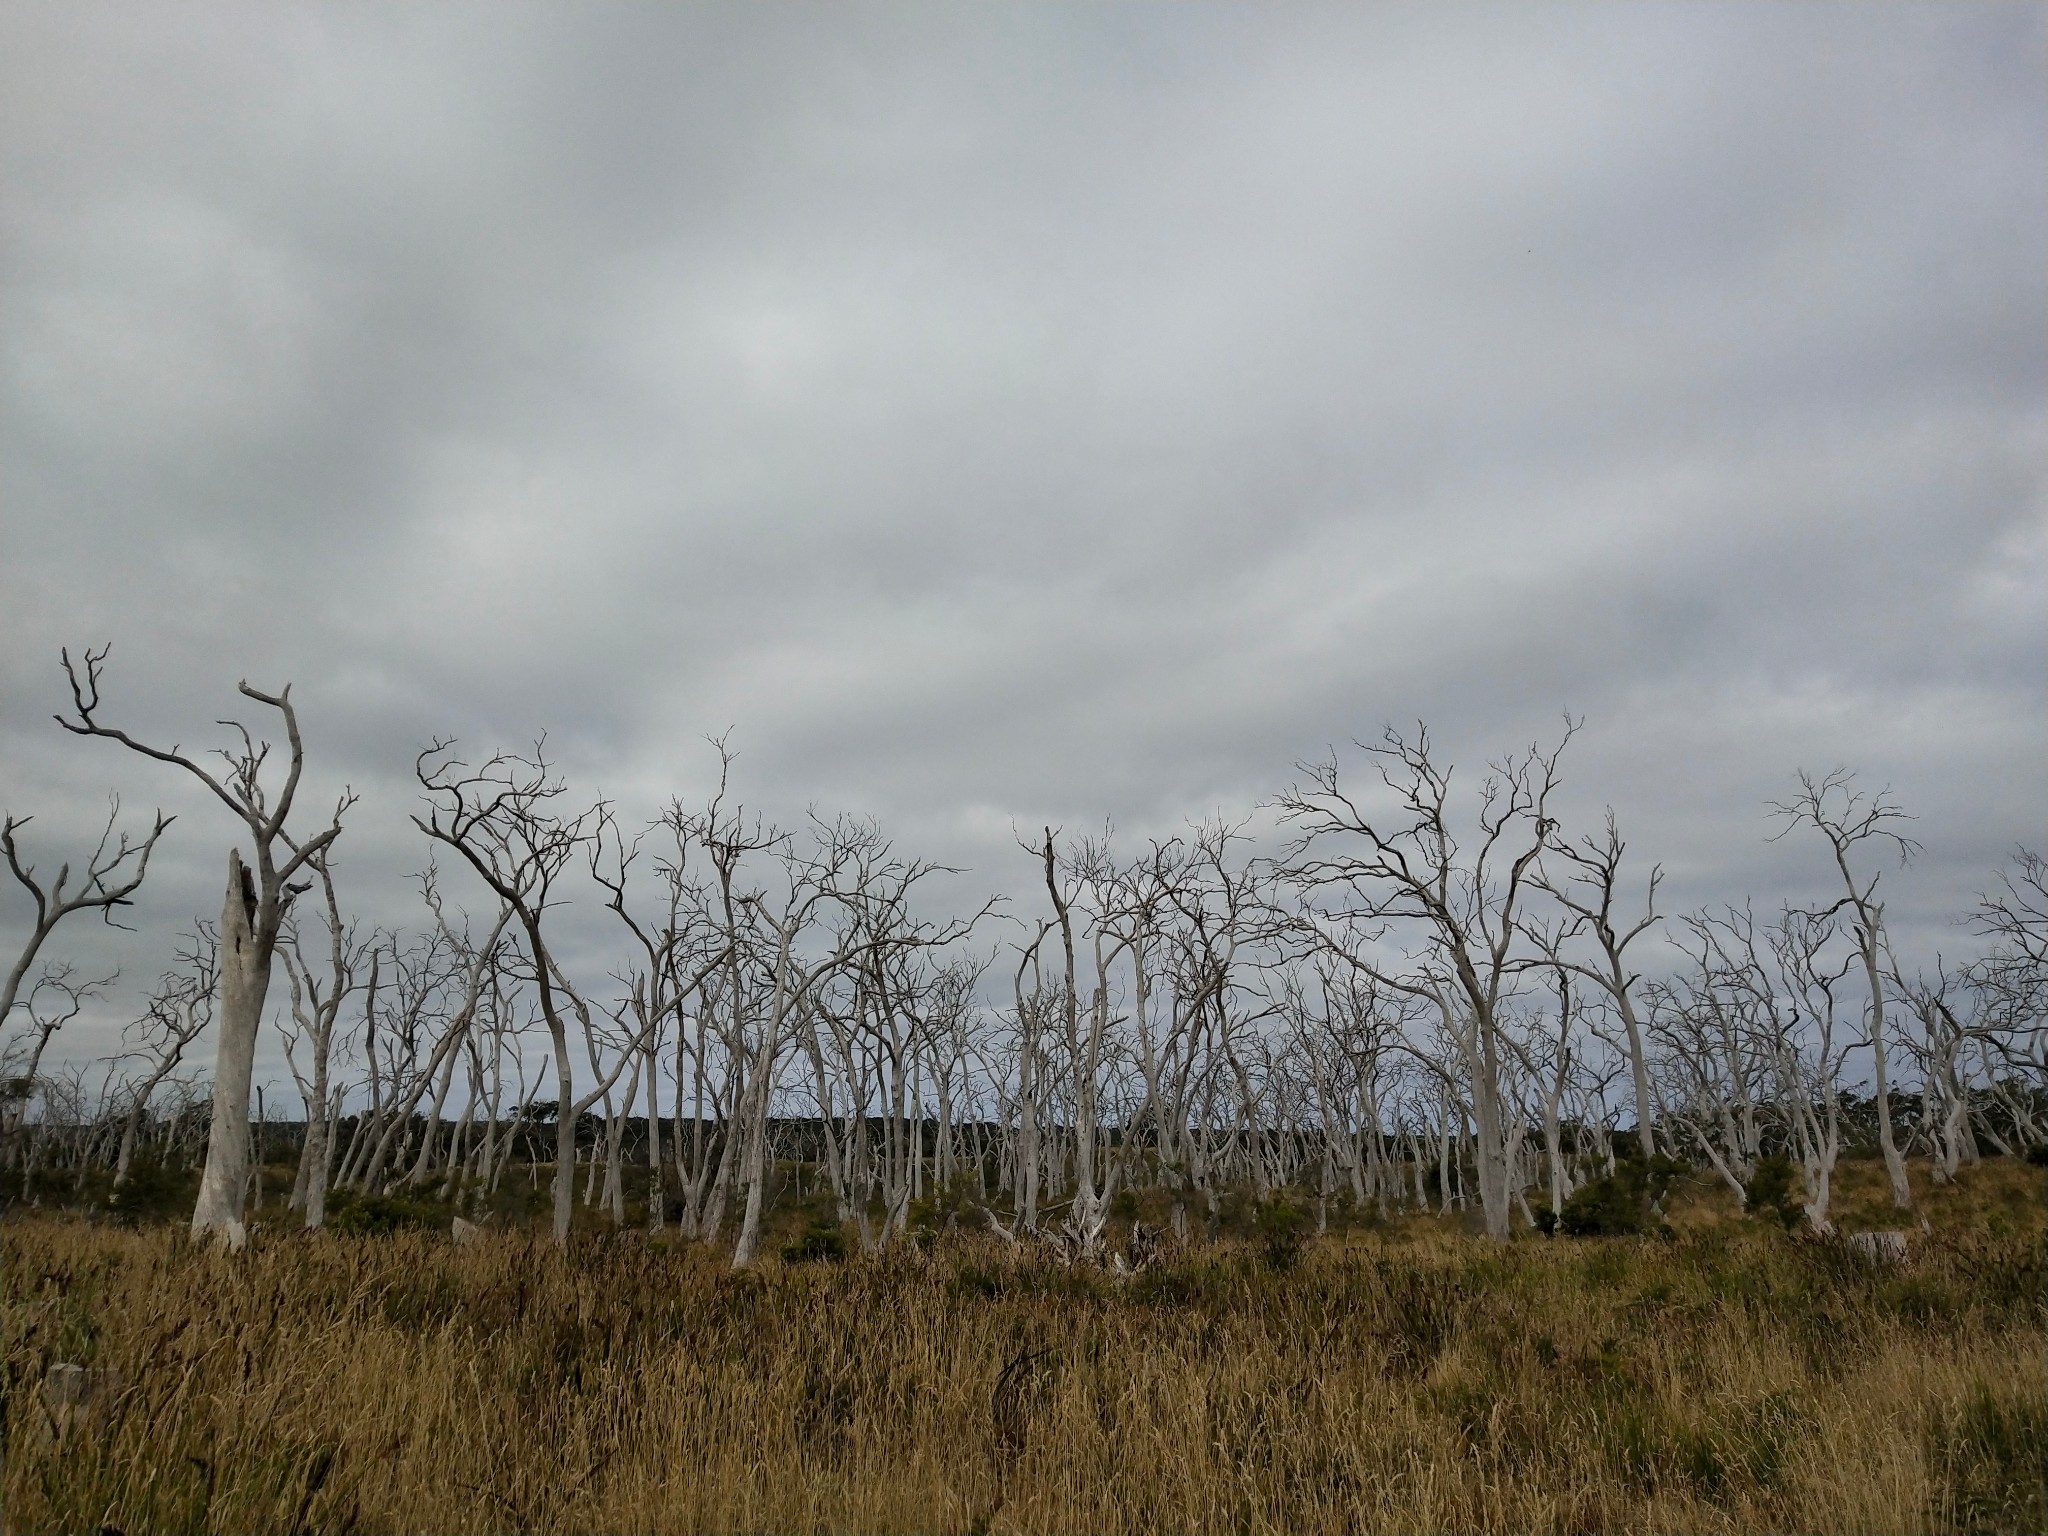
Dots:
{"x": 995, "y": 415}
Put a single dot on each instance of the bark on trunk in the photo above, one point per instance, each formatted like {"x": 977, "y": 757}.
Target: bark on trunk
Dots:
{"x": 244, "y": 980}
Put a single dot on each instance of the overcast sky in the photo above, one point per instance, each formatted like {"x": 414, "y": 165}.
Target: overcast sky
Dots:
{"x": 994, "y": 416}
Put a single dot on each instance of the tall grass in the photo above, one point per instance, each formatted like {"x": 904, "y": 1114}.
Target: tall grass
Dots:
{"x": 1408, "y": 1379}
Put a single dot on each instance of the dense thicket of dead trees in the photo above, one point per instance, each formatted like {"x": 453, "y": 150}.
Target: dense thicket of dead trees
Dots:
{"x": 1405, "y": 992}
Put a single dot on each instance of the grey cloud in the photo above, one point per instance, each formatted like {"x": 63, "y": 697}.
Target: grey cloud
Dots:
{"x": 1034, "y": 413}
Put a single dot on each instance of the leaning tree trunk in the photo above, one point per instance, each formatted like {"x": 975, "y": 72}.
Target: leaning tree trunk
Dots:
{"x": 1887, "y": 1141}
{"x": 1638, "y": 1064}
{"x": 244, "y": 980}
{"x": 755, "y": 1170}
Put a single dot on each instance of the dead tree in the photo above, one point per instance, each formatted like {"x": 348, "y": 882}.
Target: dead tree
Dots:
{"x": 110, "y": 879}
{"x": 317, "y": 999}
{"x": 853, "y": 869}
{"x": 501, "y": 818}
{"x": 1084, "y": 1049}
{"x": 1204, "y": 910}
{"x": 1588, "y": 894}
{"x": 2010, "y": 984}
{"x": 58, "y": 996}
{"x": 1550, "y": 1063}
{"x": 728, "y": 999}
{"x": 180, "y": 1010}
{"x": 476, "y": 966}
{"x": 1810, "y": 1058}
{"x": 677, "y": 949}
{"x": 1031, "y": 1024}
{"x": 251, "y": 918}
{"x": 1948, "y": 1027}
{"x": 1411, "y": 873}
{"x": 111, "y": 876}
{"x": 2015, "y": 918}
{"x": 1848, "y": 818}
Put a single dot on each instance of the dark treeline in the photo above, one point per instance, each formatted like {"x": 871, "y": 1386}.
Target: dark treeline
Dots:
{"x": 79, "y": 1163}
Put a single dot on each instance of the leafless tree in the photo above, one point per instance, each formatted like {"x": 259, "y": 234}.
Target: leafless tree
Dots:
{"x": 1462, "y": 907}
{"x": 253, "y": 914}
{"x": 2015, "y": 917}
{"x": 59, "y": 995}
{"x": 474, "y": 972}
{"x": 1551, "y": 1062}
{"x": 1811, "y": 1050}
{"x": 179, "y": 1012}
{"x": 1942, "y": 1005}
{"x": 112, "y": 874}
{"x": 1588, "y": 892}
{"x": 1717, "y": 1025}
{"x": 1848, "y": 818}
{"x": 2011, "y": 980}
{"x": 853, "y": 869}
{"x": 109, "y": 879}
{"x": 318, "y": 995}
{"x": 677, "y": 949}
{"x": 501, "y": 818}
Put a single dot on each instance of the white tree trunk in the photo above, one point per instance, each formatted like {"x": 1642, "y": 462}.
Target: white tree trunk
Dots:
{"x": 244, "y": 980}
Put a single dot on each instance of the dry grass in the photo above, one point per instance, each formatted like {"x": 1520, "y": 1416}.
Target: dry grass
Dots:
{"x": 1410, "y": 1380}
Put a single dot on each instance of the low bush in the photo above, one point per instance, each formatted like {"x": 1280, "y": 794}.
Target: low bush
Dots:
{"x": 820, "y": 1242}
{"x": 151, "y": 1192}
{"x": 1280, "y": 1224}
{"x": 1626, "y": 1203}
{"x": 945, "y": 1208}
{"x": 1773, "y": 1192}
{"x": 361, "y": 1215}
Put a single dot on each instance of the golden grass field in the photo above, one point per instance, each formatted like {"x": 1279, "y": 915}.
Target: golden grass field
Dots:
{"x": 1405, "y": 1378}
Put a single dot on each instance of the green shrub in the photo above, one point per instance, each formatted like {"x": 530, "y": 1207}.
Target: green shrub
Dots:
{"x": 1279, "y": 1225}
{"x": 945, "y": 1208}
{"x": 1773, "y": 1192}
{"x": 1625, "y": 1203}
{"x": 822, "y": 1241}
{"x": 360, "y": 1215}
{"x": 150, "y": 1193}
